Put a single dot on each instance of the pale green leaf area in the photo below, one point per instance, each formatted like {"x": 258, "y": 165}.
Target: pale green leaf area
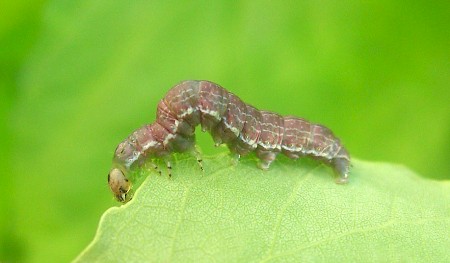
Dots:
{"x": 291, "y": 213}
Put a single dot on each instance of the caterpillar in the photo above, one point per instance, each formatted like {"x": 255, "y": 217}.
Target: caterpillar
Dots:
{"x": 230, "y": 121}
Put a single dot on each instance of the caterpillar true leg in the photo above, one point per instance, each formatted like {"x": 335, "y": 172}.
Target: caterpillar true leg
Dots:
{"x": 155, "y": 167}
{"x": 169, "y": 168}
{"x": 198, "y": 156}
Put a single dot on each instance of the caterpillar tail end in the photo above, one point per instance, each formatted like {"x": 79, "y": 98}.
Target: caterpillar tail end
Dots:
{"x": 341, "y": 166}
{"x": 342, "y": 179}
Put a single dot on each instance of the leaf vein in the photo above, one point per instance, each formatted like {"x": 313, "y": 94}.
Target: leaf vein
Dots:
{"x": 387, "y": 224}
{"x": 282, "y": 211}
{"x": 179, "y": 222}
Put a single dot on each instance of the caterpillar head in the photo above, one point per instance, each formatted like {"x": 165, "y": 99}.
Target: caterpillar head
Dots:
{"x": 119, "y": 185}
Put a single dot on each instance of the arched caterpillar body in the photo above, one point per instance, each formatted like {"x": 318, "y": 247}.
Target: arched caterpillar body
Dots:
{"x": 230, "y": 121}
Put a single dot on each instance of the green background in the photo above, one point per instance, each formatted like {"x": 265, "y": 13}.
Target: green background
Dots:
{"x": 78, "y": 76}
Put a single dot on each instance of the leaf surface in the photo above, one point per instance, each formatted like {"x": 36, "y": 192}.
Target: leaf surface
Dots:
{"x": 294, "y": 212}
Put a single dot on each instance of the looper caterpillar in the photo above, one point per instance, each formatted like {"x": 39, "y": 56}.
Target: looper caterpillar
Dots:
{"x": 230, "y": 121}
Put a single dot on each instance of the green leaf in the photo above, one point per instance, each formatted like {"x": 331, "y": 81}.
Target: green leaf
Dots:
{"x": 293, "y": 212}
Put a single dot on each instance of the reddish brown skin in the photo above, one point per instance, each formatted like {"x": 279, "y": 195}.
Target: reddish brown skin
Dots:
{"x": 240, "y": 126}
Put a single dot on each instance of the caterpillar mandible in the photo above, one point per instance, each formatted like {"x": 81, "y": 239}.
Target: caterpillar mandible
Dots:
{"x": 240, "y": 126}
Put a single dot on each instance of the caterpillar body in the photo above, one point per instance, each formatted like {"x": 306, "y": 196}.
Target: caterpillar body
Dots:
{"x": 240, "y": 126}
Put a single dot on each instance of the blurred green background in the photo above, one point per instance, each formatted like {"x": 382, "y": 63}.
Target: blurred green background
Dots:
{"x": 78, "y": 76}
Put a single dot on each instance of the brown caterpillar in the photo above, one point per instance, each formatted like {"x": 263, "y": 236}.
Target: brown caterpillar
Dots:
{"x": 230, "y": 121}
